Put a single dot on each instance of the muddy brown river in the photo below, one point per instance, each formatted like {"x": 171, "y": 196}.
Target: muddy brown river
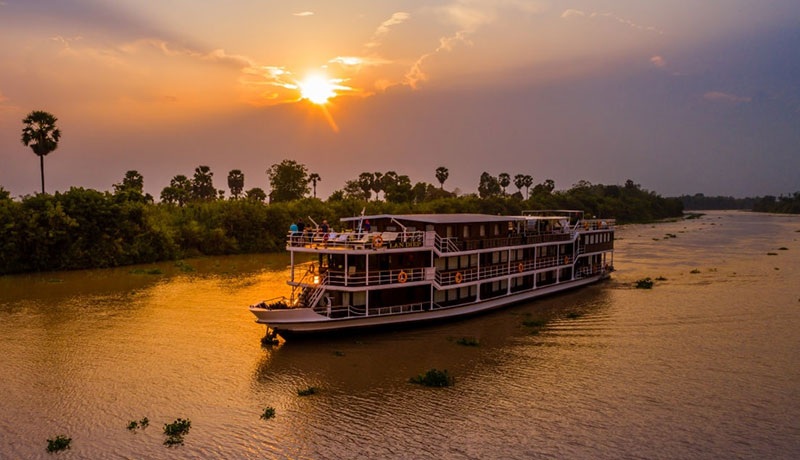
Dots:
{"x": 704, "y": 365}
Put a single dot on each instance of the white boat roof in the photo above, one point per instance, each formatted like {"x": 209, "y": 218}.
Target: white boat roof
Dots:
{"x": 451, "y": 218}
{"x": 439, "y": 218}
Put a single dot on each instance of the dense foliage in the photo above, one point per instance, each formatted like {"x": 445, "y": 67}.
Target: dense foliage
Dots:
{"x": 789, "y": 204}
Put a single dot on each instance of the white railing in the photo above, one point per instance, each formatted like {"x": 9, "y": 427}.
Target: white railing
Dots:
{"x": 595, "y": 224}
{"x": 397, "y": 276}
{"x": 349, "y": 311}
{"x": 466, "y": 275}
{"x": 356, "y": 240}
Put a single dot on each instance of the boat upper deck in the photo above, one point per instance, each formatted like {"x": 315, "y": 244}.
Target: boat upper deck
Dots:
{"x": 446, "y": 233}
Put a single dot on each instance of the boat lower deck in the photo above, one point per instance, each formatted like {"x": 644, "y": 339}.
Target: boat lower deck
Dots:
{"x": 305, "y": 321}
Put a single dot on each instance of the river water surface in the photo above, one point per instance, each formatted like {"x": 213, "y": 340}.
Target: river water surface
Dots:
{"x": 704, "y": 365}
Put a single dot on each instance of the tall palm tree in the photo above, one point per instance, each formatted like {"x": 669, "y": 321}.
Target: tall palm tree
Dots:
{"x": 41, "y": 135}
{"x": 505, "y": 180}
{"x": 441, "y": 175}
{"x": 314, "y": 178}
{"x": 519, "y": 181}
{"x": 528, "y": 183}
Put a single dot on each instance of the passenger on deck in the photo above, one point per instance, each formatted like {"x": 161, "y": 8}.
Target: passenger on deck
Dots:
{"x": 366, "y": 226}
{"x": 325, "y": 230}
{"x": 293, "y": 233}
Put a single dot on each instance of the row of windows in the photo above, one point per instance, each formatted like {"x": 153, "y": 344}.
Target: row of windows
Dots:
{"x": 598, "y": 238}
{"x": 497, "y": 257}
{"x": 466, "y": 233}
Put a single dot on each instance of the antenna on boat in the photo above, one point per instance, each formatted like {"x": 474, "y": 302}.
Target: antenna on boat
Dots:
{"x": 312, "y": 220}
{"x": 363, "y": 210}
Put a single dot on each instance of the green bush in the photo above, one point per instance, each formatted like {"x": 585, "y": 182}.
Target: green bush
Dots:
{"x": 644, "y": 283}
{"x": 433, "y": 378}
{"x": 58, "y": 443}
{"x": 306, "y": 391}
{"x": 268, "y": 413}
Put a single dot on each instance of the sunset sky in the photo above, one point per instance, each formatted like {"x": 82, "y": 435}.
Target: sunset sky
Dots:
{"x": 681, "y": 96}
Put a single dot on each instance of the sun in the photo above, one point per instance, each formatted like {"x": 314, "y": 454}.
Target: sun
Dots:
{"x": 318, "y": 89}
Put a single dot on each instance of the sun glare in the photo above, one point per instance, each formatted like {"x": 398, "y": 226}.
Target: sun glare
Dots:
{"x": 317, "y": 89}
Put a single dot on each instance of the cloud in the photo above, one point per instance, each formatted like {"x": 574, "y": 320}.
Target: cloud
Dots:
{"x": 658, "y": 61}
{"x": 719, "y": 96}
{"x": 572, "y": 13}
{"x": 383, "y": 29}
{"x": 357, "y": 61}
{"x": 303, "y": 13}
{"x": 215, "y": 56}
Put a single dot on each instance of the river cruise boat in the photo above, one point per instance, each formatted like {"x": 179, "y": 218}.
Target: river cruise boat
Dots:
{"x": 398, "y": 269}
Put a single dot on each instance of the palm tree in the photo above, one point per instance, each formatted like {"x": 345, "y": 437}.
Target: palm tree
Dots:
{"x": 314, "y": 178}
{"x": 235, "y": 183}
{"x": 528, "y": 183}
{"x": 441, "y": 175}
{"x": 41, "y": 135}
{"x": 519, "y": 182}
{"x": 505, "y": 180}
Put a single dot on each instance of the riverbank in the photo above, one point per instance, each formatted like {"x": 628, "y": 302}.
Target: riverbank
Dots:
{"x": 82, "y": 228}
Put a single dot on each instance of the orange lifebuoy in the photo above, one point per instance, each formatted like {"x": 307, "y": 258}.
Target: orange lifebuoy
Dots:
{"x": 586, "y": 225}
{"x": 311, "y": 269}
{"x": 377, "y": 242}
{"x": 402, "y": 277}
{"x": 521, "y": 267}
{"x": 459, "y": 278}
{"x": 566, "y": 260}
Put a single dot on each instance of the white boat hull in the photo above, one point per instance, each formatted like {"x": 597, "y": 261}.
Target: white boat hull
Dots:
{"x": 294, "y": 321}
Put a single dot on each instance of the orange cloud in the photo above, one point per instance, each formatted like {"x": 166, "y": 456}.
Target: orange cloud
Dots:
{"x": 719, "y": 96}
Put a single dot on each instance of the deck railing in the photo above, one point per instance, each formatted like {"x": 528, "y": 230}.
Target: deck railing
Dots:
{"x": 356, "y": 240}
{"x": 349, "y": 311}
{"x": 466, "y": 275}
{"x": 398, "y": 276}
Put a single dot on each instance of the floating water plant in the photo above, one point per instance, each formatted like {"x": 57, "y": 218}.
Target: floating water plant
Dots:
{"x": 133, "y": 425}
{"x": 269, "y": 412}
{"x": 175, "y": 432}
{"x": 644, "y": 283}
{"x": 783, "y": 248}
{"x": 184, "y": 267}
{"x": 433, "y": 378}
{"x": 150, "y": 271}
{"x": 656, "y": 239}
{"x": 307, "y": 391}
{"x": 772, "y": 253}
{"x": 695, "y": 271}
{"x": 144, "y": 422}
{"x": 661, "y": 278}
{"x": 58, "y": 443}
{"x": 468, "y": 342}
{"x": 338, "y": 353}
{"x": 574, "y": 315}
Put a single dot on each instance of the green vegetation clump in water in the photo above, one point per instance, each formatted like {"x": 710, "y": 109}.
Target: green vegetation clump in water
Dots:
{"x": 58, "y": 443}
{"x": 268, "y": 413}
{"x": 433, "y": 378}
{"x": 695, "y": 271}
{"x": 661, "y": 278}
{"x": 134, "y": 425}
{"x": 338, "y": 353}
{"x": 574, "y": 315}
{"x": 84, "y": 228}
{"x": 307, "y": 391}
{"x": 783, "y": 248}
{"x": 468, "y": 342}
{"x": 175, "y": 431}
{"x": 644, "y": 283}
{"x": 772, "y": 253}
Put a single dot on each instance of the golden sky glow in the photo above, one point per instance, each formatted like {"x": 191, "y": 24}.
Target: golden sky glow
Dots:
{"x": 472, "y": 84}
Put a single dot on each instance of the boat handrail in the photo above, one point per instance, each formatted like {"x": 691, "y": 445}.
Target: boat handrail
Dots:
{"x": 355, "y": 240}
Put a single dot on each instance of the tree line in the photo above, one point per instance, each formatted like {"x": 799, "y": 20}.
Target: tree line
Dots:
{"x": 84, "y": 228}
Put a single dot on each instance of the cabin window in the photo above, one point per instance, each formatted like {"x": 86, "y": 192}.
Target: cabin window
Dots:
{"x": 429, "y": 228}
{"x": 504, "y": 256}
{"x": 473, "y": 260}
{"x": 464, "y": 262}
{"x": 439, "y": 296}
{"x": 495, "y": 258}
{"x": 359, "y": 298}
{"x": 482, "y": 230}
{"x": 441, "y": 264}
{"x": 473, "y": 290}
{"x": 465, "y": 231}
{"x": 449, "y": 231}
{"x": 495, "y": 286}
{"x": 391, "y": 228}
{"x": 496, "y": 229}
{"x": 463, "y": 292}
